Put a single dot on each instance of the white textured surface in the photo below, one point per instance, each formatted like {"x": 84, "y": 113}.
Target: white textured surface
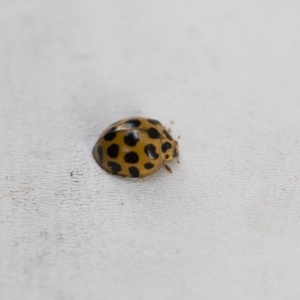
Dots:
{"x": 225, "y": 224}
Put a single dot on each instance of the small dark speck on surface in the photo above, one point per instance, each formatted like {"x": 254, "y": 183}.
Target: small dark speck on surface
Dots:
{"x": 71, "y": 174}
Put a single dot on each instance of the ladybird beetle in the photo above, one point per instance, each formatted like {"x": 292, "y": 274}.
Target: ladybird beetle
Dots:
{"x": 135, "y": 147}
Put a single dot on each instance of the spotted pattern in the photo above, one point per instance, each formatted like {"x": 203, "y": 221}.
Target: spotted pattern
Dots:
{"x": 114, "y": 167}
{"x": 153, "y": 133}
{"x": 131, "y": 138}
{"x": 134, "y": 147}
{"x": 134, "y": 171}
{"x": 166, "y": 146}
{"x": 148, "y": 166}
{"x": 133, "y": 123}
{"x": 110, "y": 134}
{"x": 131, "y": 158}
{"x": 113, "y": 151}
{"x": 150, "y": 150}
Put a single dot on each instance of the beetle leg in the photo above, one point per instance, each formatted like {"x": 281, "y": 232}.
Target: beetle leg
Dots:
{"x": 168, "y": 169}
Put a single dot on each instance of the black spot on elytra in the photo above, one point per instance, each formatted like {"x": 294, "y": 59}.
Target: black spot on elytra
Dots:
{"x": 131, "y": 138}
{"x": 110, "y": 134}
{"x": 131, "y": 158}
{"x": 150, "y": 150}
{"x": 148, "y": 166}
{"x": 133, "y": 123}
{"x": 155, "y": 122}
{"x": 114, "y": 167}
{"x": 113, "y": 151}
{"x": 166, "y": 146}
{"x": 100, "y": 154}
{"x": 153, "y": 133}
{"x": 134, "y": 171}
{"x": 167, "y": 134}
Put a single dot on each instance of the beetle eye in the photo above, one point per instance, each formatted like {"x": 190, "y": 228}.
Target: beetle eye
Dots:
{"x": 175, "y": 153}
